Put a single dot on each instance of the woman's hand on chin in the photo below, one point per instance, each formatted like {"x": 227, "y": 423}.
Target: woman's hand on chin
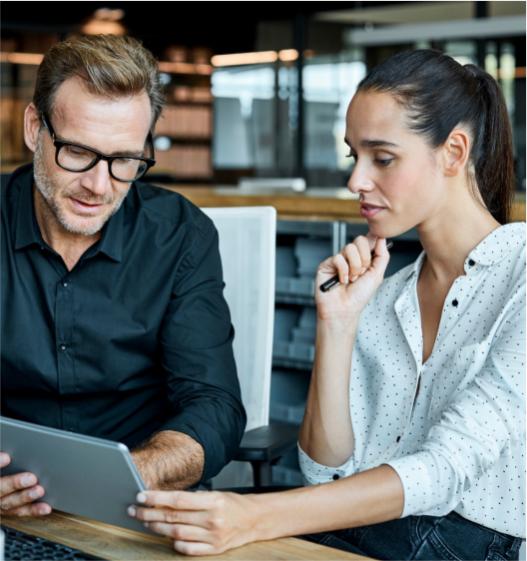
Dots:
{"x": 360, "y": 267}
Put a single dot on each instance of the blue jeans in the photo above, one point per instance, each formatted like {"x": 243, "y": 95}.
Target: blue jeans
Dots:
{"x": 427, "y": 538}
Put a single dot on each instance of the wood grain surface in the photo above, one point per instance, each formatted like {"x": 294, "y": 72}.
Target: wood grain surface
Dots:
{"x": 119, "y": 544}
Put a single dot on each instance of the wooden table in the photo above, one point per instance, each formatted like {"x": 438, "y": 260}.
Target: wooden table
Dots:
{"x": 119, "y": 544}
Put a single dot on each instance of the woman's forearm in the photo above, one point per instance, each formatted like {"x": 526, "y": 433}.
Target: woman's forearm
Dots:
{"x": 326, "y": 434}
{"x": 208, "y": 522}
{"x": 369, "y": 497}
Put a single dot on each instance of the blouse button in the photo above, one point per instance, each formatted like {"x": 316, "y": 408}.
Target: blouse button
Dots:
{"x": 471, "y": 262}
{"x": 336, "y": 476}
{"x": 455, "y": 302}
{"x": 398, "y": 439}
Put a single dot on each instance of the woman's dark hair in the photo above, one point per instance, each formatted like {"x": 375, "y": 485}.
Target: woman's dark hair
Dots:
{"x": 439, "y": 93}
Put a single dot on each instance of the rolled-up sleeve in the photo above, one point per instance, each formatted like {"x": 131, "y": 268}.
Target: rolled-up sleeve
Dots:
{"x": 314, "y": 473}
{"x": 197, "y": 354}
{"x": 474, "y": 430}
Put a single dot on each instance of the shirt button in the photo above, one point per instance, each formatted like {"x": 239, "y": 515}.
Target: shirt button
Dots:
{"x": 336, "y": 476}
{"x": 455, "y": 302}
{"x": 471, "y": 262}
{"x": 63, "y": 347}
{"x": 65, "y": 284}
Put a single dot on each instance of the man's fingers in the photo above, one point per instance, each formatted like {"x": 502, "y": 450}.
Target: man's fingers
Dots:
{"x": 33, "y": 509}
{"x": 20, "y": 498}
{"x": 11, "y": 483}
{"x": 4, "y": 459}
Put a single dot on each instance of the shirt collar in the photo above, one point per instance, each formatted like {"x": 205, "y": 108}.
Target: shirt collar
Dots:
{"x": 111, "y": 242}
{"x": 499, "y": 244}
{"x": 27, "y": 231}
{"x": 416, "y": 266}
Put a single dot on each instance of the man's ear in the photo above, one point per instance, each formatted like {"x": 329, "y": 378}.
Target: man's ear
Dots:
{"x": 32, "y": 125}
{"x": 456, "y": 152}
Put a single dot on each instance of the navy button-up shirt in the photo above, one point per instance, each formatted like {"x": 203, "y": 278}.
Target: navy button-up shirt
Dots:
{"x": 136, "y": 338}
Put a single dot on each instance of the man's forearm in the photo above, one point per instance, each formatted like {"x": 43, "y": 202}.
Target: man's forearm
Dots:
{"x": 170, "y": 460}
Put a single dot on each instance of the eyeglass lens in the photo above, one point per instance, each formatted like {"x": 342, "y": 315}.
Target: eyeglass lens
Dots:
{"x": 77, "y": 158}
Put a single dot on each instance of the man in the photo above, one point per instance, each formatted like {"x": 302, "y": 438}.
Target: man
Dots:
{"x": 113, "y": 317}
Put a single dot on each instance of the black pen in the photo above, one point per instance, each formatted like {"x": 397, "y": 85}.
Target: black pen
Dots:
{"x": 330, "y": 283}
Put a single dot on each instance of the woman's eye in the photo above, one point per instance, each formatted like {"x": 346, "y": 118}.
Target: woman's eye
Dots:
{"x": 384, "y": 162}
{"x": 351, "y": 155}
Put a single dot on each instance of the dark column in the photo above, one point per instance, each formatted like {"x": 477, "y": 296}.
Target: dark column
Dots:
{"x": 299, "y": 41}
{"x": 480, "y": 11}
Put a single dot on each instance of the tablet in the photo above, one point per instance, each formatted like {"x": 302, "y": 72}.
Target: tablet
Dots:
{"x": 81, "y": 474}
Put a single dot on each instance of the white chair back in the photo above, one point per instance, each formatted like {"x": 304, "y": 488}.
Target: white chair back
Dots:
{"x": 247, "y": 248}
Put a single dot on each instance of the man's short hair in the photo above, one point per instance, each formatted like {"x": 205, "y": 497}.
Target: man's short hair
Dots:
{"x": 110, "y": 66}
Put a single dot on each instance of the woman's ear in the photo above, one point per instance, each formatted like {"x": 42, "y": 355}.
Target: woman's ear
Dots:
{"x": 456, "y": 152}
{"x": 31, "y": 126}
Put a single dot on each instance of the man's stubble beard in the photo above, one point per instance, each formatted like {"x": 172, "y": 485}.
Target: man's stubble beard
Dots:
{"x": 48, "y": 190}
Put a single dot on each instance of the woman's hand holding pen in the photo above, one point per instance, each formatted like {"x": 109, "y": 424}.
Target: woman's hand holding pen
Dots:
{"x": 326, "y": 434}
{"x": 360, "y": 268}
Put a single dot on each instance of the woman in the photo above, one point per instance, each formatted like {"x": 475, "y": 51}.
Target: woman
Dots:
{"x": 415, "y": 414}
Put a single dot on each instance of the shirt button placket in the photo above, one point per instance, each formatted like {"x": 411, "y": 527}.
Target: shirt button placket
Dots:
{"x": 64, "y": 322}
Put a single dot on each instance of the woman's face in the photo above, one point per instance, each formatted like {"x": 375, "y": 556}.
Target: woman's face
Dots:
{"x": 396, "y": 172}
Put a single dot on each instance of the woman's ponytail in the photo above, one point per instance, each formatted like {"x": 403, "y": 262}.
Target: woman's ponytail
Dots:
{"x": 492, "y": 153}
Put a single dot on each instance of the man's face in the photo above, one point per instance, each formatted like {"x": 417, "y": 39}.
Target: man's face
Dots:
{"x": 81, "y": 203}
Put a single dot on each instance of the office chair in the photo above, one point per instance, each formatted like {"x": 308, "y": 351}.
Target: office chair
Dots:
{"x": 247, "y": 239}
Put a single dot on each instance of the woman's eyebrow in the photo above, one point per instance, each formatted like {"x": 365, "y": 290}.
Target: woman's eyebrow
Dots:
{"x": 373, "y": 143}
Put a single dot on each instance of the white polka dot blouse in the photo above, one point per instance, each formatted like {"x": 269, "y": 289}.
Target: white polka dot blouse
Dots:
{"x": 453, "y": 428}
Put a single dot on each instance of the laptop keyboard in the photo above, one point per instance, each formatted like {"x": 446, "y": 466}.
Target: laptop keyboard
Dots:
{"x": 20, "y": 546}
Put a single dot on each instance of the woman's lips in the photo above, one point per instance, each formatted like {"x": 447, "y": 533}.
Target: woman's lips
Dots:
{"x": 369, "y": 211}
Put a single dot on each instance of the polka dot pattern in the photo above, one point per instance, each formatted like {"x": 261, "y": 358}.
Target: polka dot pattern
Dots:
{"x": 454, "y": 427}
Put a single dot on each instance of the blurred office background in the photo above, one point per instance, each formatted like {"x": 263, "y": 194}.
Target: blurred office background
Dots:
{"x": 260, "y": 89}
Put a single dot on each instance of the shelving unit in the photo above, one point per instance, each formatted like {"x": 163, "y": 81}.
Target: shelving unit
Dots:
{"x": 17, "y": 83}
{"x": 183, "y": 134}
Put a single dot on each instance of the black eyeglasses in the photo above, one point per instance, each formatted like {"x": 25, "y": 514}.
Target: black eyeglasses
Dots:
{"x": 79, "y": 158}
